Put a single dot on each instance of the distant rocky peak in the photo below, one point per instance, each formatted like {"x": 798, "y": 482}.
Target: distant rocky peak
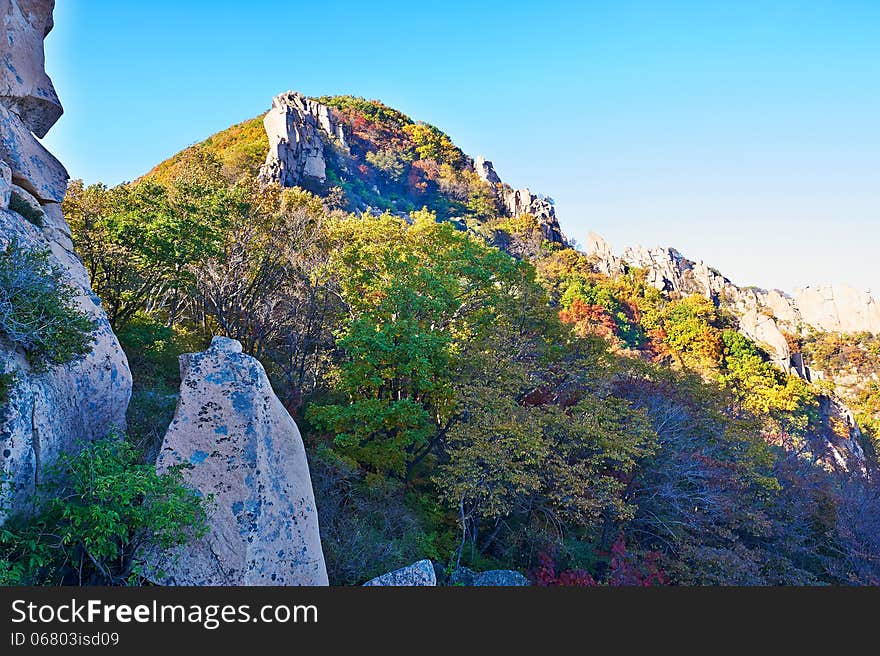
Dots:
{"x": 298, "y": 129}
{"x": 486, "y": 171}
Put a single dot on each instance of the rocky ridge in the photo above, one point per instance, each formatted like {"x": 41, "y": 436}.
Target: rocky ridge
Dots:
{"x": 764, "y": 317}
{"x": 763, "y": 314}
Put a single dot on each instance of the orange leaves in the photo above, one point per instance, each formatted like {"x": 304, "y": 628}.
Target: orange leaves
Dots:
{"x": 589, "y": 319}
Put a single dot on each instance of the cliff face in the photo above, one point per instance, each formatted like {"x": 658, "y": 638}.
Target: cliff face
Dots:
{"x": 308, "y": 138}
{"x": 55, "y": 411}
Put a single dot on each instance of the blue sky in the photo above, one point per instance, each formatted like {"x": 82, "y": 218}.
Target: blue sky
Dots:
{"x": 746, "y": 134}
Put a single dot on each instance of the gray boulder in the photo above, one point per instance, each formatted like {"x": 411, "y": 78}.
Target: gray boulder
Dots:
{"x": 240, "y": 446}
{"x": 500, "y": 578}
{"x": 491, "y": 578}
{"x": 418, "y": 574}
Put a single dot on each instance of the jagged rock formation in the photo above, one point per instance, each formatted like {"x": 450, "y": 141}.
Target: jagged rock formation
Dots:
{"x": 763, "y": 314}
{"x": 58, "y": 410}
{"x": 762, "y": 317}
{"x": 241, "y": 446}
{"x": 298, "y": 128}
{"x": 418, "y": 574}
{"x": 517, "y": 202}
{"x": 486, "y": 171}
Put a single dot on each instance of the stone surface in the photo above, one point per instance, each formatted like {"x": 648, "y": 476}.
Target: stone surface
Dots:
{"x": 241, "y": 446}
{"x": 464, "y": 576}
{"x": 297, "y": 128}
{"x": 61, "y": 409}
{"x": 418, "y": 574}
{"x": 33, "y": 167}
{"x": 522, "y": 201}
{"x": 30, "y": 207}
{"x": 763, "y": 330}
{"x": 25, "y": 89}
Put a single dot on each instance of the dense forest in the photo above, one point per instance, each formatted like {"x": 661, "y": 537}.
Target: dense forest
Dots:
{"x": 468, "y": 391}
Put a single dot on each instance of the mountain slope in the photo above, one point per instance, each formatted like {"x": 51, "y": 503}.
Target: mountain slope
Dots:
{"x": 466, "y": 380}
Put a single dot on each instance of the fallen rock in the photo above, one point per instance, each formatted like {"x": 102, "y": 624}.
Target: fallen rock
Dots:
{"x": 418, "y": 574}
{"x": 240, "y": 446}
{"x": 24, "y": 86}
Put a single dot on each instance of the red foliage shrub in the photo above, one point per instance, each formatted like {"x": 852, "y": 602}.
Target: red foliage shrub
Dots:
{"x": 545, "y": 575}
{"x": 623, "y": 570}
{"x": 589, "y": 319}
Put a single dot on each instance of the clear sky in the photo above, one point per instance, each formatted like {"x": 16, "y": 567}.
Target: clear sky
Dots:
{"x": 746, "y": 133}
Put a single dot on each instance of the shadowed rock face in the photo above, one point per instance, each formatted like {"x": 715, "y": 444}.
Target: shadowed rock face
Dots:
{"x": 57, "y": 411}
{"x": 239, "y": 445}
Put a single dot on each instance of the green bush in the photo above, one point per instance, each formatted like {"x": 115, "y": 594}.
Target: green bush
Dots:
{"x": 37, "y": 309}
{"x": 100, "y": 508}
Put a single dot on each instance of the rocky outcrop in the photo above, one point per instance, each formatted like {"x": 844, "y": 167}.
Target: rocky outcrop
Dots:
{"x": 418, "y": 574}
{"x": 486, "y": 171}
{"x": 56, "y": 411}
{"x": 603, "y": 257}
{"x": 517, "y": 202}
{"x": 241, "y": 447}
{"x": 298, "y": 128}
{"x": 25, "y": 89}
{"x": 763, "y": 330}
{"x": 522, "y": 201}
{"x": 763, "y": 315}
